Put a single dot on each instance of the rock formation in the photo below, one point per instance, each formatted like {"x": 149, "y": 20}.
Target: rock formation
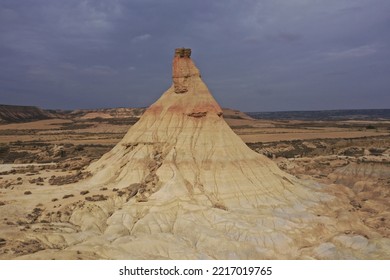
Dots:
{"x": 183, "y": 185}
{"x": 13, "y": 113}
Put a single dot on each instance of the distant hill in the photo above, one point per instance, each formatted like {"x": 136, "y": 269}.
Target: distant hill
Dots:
{"x": 120, "y": 113}
{"x": 364, "y": 114}
{"x": 12, "y": 113}
{"x": 107, "y": 113}
{"x": 234, "y": 114}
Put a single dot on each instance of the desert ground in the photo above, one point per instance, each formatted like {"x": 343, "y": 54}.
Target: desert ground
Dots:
{"x": 351, "y": 157}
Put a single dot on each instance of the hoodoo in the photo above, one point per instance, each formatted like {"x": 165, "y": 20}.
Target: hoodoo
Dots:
{"x": 183, "y": 185}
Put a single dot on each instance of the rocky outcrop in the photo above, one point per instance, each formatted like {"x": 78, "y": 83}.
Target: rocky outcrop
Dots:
{"x": 182, "y": 52}
{"x": 183, "y": 70}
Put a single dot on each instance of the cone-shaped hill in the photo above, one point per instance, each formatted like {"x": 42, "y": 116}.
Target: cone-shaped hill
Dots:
{"x": 182, "y": 150}
{"x": 182, "y": 185}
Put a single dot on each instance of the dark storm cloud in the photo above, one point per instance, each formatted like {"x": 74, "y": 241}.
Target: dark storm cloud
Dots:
{"x": 254, "y": 55}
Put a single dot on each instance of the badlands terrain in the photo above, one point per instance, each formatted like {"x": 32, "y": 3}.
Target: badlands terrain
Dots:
{"x": 177, "y": 181}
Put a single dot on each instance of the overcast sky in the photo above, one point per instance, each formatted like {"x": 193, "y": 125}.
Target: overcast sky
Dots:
{"x": 254, "y": 55}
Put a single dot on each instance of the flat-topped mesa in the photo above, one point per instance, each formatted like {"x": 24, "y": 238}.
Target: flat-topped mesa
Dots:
{"x": 183, "y": 70}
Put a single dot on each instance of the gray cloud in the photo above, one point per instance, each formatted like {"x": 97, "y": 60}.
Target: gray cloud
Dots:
{"x": 355, "y": 52}
{"x": 99, "y": 70}
{"x": 254, "y": 55}
{"x": 140, "y": 38}
{"x": 285, "y": 37}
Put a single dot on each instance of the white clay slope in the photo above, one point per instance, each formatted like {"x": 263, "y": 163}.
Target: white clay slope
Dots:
{"x": 189, "y": 188}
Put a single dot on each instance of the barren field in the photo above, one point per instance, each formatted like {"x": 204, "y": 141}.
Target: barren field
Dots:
{"x": 352, "y": 157}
